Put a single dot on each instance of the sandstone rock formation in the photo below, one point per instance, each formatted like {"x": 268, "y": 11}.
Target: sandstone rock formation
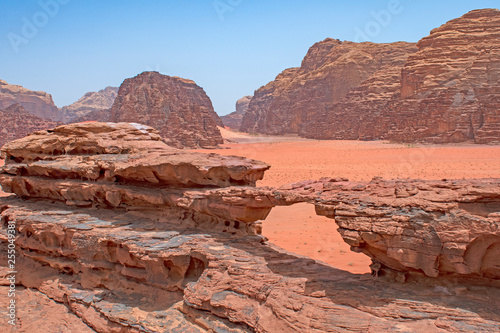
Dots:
{"x": 447, "y": 228}
{"x": 233, "y": 120}
{"x": 447, "y": 91}
{"x": 176, "y": 107}
{"x": 329, "y": 71}
{"x": 90, "y": 106}
{"x": 17, "y": 123}
{"x": 37, "y": 103}
{"x": 132, "y": 235}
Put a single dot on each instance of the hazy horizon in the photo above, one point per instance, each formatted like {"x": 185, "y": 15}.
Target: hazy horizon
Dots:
{"x": 228, "y": 47}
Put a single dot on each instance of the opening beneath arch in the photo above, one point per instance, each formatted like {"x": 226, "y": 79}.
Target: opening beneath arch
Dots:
{"x": 298, "y": 229}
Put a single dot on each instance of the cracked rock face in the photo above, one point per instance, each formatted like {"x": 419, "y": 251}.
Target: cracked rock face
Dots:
{"x": 178, "y": 108}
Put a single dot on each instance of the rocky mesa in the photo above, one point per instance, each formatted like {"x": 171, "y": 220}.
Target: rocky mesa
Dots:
{"x": 443, "y": 90}
{"x": 89, "y": 105}
{"x": 178, "y": 108}
{"x": 328, "y": 72}
{"x": 37, "y": 103}
{"x": 447, "y": 91}
{"x": 130, "y": 234}
{"x": 233, "y": 120}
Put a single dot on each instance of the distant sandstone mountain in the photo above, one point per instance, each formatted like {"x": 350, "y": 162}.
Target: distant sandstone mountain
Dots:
{"x": 37, "y": 103}
{"x": 330, "y": 70}
{"x": 91, "y": 102}
{"x": 178, "y": 108}
{"x": 446, "y": 90}
{"x": 233, "y": 120}
{"x": 17, "y": 123}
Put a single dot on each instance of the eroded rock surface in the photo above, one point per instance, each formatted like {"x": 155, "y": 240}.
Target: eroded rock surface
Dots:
{"x": 439, "y": 228}
{"x": 37, "y": 103}
{"x": 178, "y": 108}
{"x": 131, "y": 235}
{"x": 91, "y": 106}
{"x": 17, "y": 123}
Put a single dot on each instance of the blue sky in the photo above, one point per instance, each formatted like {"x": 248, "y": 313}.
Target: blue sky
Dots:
{"x": 228, "y": 47}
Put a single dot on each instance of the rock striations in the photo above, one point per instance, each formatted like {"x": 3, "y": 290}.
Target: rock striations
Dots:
{"x": 37, "y": 103}
{"x": 90, "y": 106}
{"x": 17, "y": 123}
{"x": 132, "y": 235}
{"x": 444, "y": 91}
{"x": 178, "y": 108}
{"x": 233, "y": 120}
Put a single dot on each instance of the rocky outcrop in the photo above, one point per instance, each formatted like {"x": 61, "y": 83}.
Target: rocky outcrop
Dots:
{"x": 132, "y": 235}
{"x": 330, "y": 70}
{"x": 37, "y": 103}
{"x": 116, "y": 165}
{"x": 446, "y": 92}
{"x": 233, "y": 120}
{"x": 91, "y": 106}
{"x": 447, "y": 228}
{"x": 178, "y": 108}
{"x": 17, "y": 123}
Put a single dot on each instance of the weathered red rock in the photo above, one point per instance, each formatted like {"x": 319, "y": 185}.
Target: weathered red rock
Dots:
{"x": 329, "y": 71}
{"x": 178, "y": 108}
{"x": 233, "y": 120}
{"x": 447, "y": 228}
{"x": 90, "y": 106}
{"x": 37, "y": 103}
{"x": 446, "y": 92}
{"x": 17, "y": 123}
{"x": 180, "y": 250}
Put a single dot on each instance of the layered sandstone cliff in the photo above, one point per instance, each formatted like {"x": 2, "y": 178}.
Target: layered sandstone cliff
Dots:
{"x": 178, "y": 108}
{"x": 90, "y": 105}
{"x": 37, "y": 103}
{"x": 446, "y": 92}
{"x": 17, "y": 123}
{"x": 132, "y": 235}
{"x": 330, "y": 70}
{"x": 233, "y": 120}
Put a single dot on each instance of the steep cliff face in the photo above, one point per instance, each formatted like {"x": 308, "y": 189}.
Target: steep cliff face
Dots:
{"x": 17, "y": 123}
{"x": 37, "y": 103}
{"x": 178, "y": 108}
{"x": 452, "y": 85}
{"x": 330, "y": 70}
{"x": 90, "y": 105}
{"x": 233, "y": 120}
{"x": 446, "y": 92}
